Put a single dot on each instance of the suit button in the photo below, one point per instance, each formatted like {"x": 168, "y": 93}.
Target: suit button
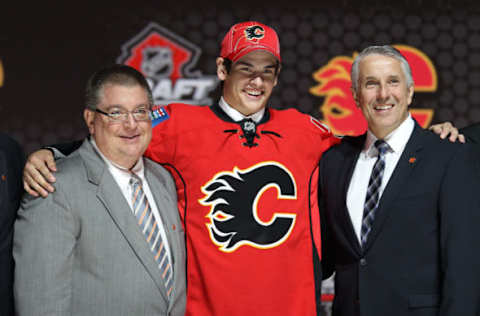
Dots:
{"x": 363, "y": 262}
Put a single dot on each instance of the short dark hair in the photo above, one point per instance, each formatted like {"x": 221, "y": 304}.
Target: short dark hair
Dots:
{"x": 115, "y": 74}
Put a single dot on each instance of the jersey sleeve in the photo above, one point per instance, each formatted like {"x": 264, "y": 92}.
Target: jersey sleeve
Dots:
{"x": 162, "y": 146}
{"x": 325, "y": 136}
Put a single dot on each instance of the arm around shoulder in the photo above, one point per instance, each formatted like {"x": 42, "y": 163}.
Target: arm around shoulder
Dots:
{"x": 472, "y": 133}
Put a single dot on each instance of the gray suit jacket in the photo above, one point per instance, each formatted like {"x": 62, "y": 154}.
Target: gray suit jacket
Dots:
{"x": 80, "y": 251}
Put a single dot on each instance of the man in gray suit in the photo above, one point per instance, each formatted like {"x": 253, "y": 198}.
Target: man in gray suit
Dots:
{"x": 109, "y": 241}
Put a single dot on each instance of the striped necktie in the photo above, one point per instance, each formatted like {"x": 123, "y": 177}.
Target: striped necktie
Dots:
{"x": 373, "y": 191}
{"x": 149, "y": 226}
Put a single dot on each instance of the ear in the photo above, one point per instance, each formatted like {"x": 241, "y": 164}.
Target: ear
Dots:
{"x": 410, "y": 91}
{"x": 276, "y": 76}
{"x": 221, "y": 70}
{"x": 355, "y": 97}
{"x": 89, "y": 116}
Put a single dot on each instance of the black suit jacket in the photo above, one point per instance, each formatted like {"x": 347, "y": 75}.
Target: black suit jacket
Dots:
{"x": 421, "y": 257}
{"x": 472, "y": 133}
{"x": 11, "y": 166}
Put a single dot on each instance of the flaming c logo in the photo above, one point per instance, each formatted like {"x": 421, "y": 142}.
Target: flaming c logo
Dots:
{"x": 254, "y": 32}
{"x": 339, "y": 109}
{"x": 234, "y": 198}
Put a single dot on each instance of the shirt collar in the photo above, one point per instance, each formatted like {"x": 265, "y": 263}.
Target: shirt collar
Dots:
{"x": 116, "y": 169}
{"x": 237, "y": 116}
{"x": 397, "y": 139}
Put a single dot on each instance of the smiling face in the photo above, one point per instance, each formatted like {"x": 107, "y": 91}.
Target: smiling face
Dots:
{"x": 382, "y": 94}
{"x": 248, "y": 85}
{"x": 121, "y": 142}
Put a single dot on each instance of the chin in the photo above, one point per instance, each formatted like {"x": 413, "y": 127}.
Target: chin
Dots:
{"x": 133, "y": 152}
{"x": 254, "y": 108}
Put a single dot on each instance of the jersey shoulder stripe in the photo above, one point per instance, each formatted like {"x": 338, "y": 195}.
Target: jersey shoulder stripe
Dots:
{"x": 319, "y": 124}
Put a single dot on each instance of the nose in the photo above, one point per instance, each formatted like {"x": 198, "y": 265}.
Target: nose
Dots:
{"x": 257, "y": 79}
{"x": 130, "y": 122}
{"x": 382, "y": 92}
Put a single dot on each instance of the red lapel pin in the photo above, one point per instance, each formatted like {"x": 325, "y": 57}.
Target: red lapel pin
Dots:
{"x": 412, "y": 159}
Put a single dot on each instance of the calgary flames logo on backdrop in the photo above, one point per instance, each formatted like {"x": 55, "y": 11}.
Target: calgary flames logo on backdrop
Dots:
{"x": 234, "y": 197}
{"x": 166, "y": 61}
{"x": 339, "y": 109}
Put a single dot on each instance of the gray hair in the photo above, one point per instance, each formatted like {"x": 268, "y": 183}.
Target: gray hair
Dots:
{"x": 116, "y": 74}
{"x": 385, "y": 50}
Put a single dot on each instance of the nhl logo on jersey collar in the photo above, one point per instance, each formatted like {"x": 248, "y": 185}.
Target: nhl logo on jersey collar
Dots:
{"x": 248, "y": 126}
{"x": 249, "y": 129}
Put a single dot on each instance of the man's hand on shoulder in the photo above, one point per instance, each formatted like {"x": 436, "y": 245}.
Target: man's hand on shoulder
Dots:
{"x": 37, "y": 174}
{"x": 447, "y": 129}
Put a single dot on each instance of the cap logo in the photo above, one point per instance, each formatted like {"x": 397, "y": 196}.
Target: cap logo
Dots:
{"x": 254, "y": 32}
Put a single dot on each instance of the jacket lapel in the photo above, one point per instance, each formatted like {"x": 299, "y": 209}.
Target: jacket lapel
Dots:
{"x": 111, "y": 197}
{"x": 409, "y": 159}
{"x": 167, "y": 207}
{"x": 352, "y": 149}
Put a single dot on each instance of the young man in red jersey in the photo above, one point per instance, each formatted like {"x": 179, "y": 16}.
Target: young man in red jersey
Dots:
{"x": 245, "y": 176}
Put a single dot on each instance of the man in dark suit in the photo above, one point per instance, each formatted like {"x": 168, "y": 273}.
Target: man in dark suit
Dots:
{"x": 12, "y": 160}
{"x": 472, "y": 133}
{"x": 401, "y": 206}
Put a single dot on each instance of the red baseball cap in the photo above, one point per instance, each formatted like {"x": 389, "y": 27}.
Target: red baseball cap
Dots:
{"x": 242, "y": 38}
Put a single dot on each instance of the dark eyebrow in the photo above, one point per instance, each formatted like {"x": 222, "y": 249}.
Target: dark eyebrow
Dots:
{"x": 111, "y": 106}
{"x": 244, "y": 63}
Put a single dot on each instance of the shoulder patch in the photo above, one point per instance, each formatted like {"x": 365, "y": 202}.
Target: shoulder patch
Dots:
{"x": 158, "y": 115}
{"x": 319, "y": 124}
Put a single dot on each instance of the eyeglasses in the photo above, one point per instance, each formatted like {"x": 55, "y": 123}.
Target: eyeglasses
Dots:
{"x": 117, "y": 115}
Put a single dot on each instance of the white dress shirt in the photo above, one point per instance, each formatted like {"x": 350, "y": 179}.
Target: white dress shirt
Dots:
{"x": 357, "y": 190}
{"x": 122, "y": 177}
{"x": 237, "y": 116}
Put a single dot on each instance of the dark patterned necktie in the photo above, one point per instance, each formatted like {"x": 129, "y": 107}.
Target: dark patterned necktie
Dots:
{"x": 373, "y": 191}
{"x": 148, "y": 225}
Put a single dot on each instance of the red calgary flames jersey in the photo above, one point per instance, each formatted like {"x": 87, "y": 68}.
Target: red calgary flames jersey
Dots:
{"x": 247, "y": 198}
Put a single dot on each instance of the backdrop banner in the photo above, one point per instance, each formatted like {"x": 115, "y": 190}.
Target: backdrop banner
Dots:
{"x": 48, "y": 53}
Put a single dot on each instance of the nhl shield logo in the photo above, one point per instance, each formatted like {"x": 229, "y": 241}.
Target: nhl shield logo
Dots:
{"x": 167, "y": 60}
{"x": 157, "y": 62}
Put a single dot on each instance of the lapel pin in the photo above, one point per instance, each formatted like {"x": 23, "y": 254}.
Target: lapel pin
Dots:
{"x": 412, "y": 159}
{"x": 4, "y": 177}
{"x": 174, "y": 227}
